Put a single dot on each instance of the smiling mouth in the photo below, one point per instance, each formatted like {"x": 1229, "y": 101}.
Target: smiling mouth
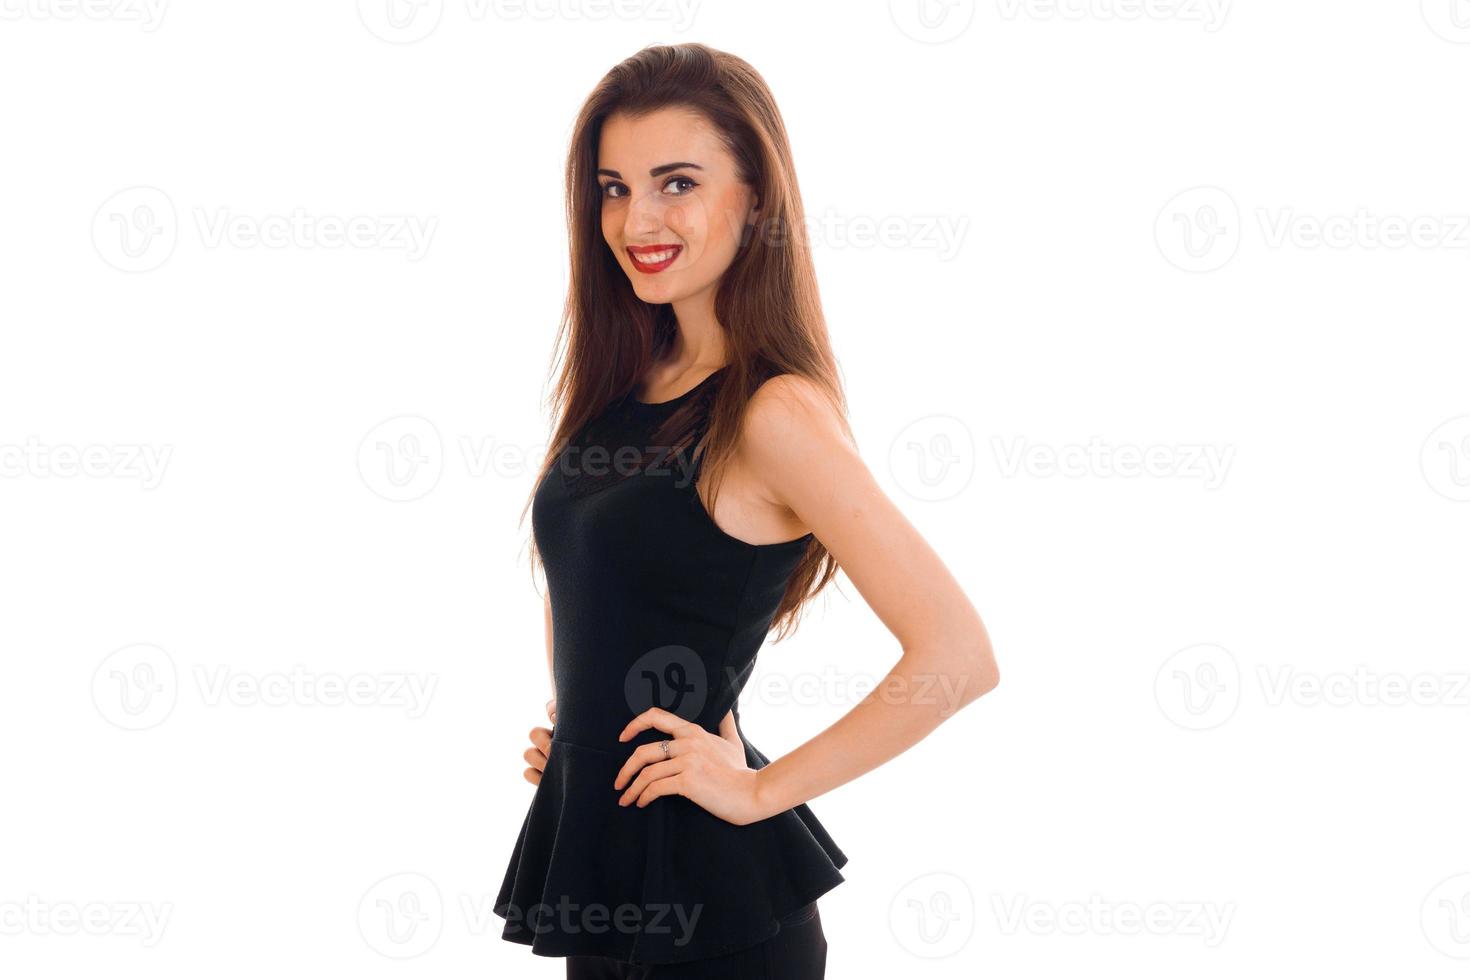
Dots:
{"x": 653, "y": 258}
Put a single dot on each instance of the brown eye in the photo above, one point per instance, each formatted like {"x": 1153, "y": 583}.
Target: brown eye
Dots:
{"x": 685, "y": 180}
{"x": 608, "y": 189}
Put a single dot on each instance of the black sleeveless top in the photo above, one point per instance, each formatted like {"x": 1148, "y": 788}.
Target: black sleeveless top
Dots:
{"x": 652, "y": 604}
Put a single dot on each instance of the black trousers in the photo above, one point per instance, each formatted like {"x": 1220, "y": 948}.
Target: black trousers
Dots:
{"x": 797, "y": 952}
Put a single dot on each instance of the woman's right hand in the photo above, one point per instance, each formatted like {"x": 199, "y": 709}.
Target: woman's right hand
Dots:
{"x": 540, "y": 745}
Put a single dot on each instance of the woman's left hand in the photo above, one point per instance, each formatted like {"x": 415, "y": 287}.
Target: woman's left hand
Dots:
{"x": 705, "y": 768}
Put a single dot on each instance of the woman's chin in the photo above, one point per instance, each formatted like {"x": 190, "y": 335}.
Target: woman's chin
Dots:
{"x": 652, "y": 289}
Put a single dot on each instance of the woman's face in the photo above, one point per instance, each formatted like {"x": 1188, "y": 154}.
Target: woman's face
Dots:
{"x": 673, "y": 209}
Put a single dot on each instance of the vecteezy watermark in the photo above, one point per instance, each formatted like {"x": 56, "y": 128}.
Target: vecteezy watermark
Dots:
{"x": 147, "y": 14}
{"x": 942, "y": 234}
{"x": 124, "y": 461}
{"x": 933, "y": 458}
{"x": 401, "y": 916}
{"x": 1450, "y": 19}
{"x": 403, "y": 458}
{"x": 407, "y": 21}
{"x": 404, "y": 915}
{"x": 1445, "y": 916}
{"x": 1362, "y": 229}
{"x": 298, "y": 687}
{"x": 933, "y": 916}
{"x": 1210, "y": 14}
{"x": 1204, "y": 462}
{"x": 1200, "y": 230}
{"x": 947, "y": 691}
{"x": 932, "y": 21}
{"x": 137, "y": 687}
{"x": 1201, "y": 687}
{"x": 1361, "y": 687}
{"x": 1445, "y": 459}
{"x": 409, "y": 233}
{"x": 34, "y": 916}
{"x": 1096, "y": 916}
{"x": 566, "y": 916}
{"x": 137, "y": 230}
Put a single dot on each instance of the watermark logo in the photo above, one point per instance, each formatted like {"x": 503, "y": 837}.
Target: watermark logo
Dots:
{"x": 1450, "y": 19}
{"x": 1445, "y": 917}
{"x": 401, "y": 916}
{"x": 932, "y": 21}
{"x": 401, "y": 458}
{"x": 933, "y": 916}
{"x": 933, "y": 458}
{"x": 1445, "y": 459}
{"x": 672, "y": 677}
{"x": 1198, "y": 687}
{"x": 136, "y": 687}
{"x": 136, "y": 229}
{"x": 1198, "y": 230}
{"x": 400, "y": 21}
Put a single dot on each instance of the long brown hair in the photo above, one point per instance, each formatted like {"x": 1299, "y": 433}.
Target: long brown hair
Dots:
{"x": 767, "y": 301}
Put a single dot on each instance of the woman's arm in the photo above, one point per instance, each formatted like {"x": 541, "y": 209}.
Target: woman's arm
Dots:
{"x": 794, "y": 439}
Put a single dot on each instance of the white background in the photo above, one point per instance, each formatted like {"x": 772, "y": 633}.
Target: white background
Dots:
{"x": 1165, "y": 228}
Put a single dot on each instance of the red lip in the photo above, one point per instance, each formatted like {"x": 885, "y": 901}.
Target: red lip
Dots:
{"x": 636, "y": 250}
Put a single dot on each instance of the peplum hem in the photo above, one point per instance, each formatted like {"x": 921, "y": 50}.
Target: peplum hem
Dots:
{"x": 667, "y": 883}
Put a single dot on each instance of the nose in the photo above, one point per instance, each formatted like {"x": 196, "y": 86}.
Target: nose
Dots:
{"x": 645, "y": 217}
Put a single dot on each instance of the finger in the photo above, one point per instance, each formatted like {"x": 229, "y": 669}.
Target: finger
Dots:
{"x": 651, "y": 774}
{"x": 536, "y": 758}
{"x": 532, "y": 776}
{"x": 642, "y": 756}
{"x": 551, "y": 710}
{"x": 664, "y": 721}
{"x": 669, "y": 786}
{"x": 541, "y": 738}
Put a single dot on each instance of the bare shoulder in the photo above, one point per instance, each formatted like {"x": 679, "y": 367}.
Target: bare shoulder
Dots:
{"x": 792, "y": 407}
{"x": 794, "y": 440}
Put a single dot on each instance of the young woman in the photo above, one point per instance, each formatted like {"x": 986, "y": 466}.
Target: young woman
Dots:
{"x": 702, "y": 485}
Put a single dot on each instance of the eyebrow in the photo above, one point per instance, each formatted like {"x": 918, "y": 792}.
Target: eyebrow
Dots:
{"x": 655, "y": 172}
